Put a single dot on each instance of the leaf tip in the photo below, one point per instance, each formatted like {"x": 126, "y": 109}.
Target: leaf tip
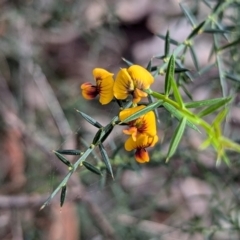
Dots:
{"x": 42, "y": 207}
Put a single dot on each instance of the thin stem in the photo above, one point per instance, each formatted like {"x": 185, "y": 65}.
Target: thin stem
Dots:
{"x": 191, "y": 116}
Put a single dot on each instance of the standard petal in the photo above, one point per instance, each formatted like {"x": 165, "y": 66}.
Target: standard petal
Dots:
{"x": 141, "y": 77}
{"x": 100, "y": 73}
{"x": 106, "y": 89}
{"x": 149, "y": 127}
{"x": 123, "y": 84}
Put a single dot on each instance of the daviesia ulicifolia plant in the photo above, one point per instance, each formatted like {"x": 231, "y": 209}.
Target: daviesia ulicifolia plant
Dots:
{"x": 138, "y": 119}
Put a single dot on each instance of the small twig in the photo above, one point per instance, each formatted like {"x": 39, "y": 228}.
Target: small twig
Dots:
{"x": 24, "y": 201}
{"x": 17, "y": 232}
{"x": 50, "y": 98}
{"x": 99, "y": 218}
{"x": 171, "y": 233}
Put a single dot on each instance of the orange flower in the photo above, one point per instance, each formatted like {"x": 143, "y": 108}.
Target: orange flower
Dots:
{"x": 132, "y": 81}
{"x": 145, "y": 124}
{"x": 104, "y": 86}
{"x": 141, "y": 143}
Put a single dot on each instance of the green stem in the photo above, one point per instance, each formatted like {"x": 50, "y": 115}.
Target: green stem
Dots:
{"x": 191, "y": 116}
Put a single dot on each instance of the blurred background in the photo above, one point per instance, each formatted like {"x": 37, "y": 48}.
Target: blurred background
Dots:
{"x": 48, "y": 48}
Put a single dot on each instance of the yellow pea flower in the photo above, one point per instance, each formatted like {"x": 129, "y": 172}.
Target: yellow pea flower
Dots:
{"x": 141, "y": 143}
{"x": 145, "y": 124}
{"x": 104, "y": 86}
{"x": 132, "y": 81}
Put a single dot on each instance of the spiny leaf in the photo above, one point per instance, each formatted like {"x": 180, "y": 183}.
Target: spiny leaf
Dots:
{"x": 180, "y": 70}
{"x": 106, "y": 159}
{"x": 159, "y": 57}
{"x": 194, "y": 57}
{"x": 186, "y": 92}
{"x": 149, "y": 66}
{"x": 63, "y": 195}
{"x": 153, "y": 68}
{"x": 127, "y": 62}
{"x": 232, "y": 77}
{"x": 177, "y": 114}
{"x": 172, "y": 41}
{"x": 237, "y": 41}
{"x": 205, "y": 69}
{"x": 89, "y": 119}
{"x": 176, "y": 93}
{"x": 145, "y": 110}
{"x": 63, "y": 159}
{"x": 217, "y": 6}
{"x": 98, "y": 136}
{"x": 219, "y": 118}
{"x": 102, "y": 134}
{"x": 229, "y": 144}
{"x": 196, "y": 30}
{"x": 188, "y": 14}
{"x": 226, "y": 159}
{"x": 108, "y": 129}
{"x": 102, "y": 182}
{"x": 214, "y": 107}
{"x": 167, "y": 44}
{"x": 176, "y": 138}
{"x": 69, "y": 152}
{"x": 91, "y": 168}
{"x": 216, "y": 31}
{"x": 169, "y": 75}
{"x": 212, "y": 52}
{"x": 207, "y": 3}
{"x": 204, "y": 103}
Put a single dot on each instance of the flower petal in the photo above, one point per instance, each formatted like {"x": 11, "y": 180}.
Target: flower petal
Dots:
{"x": 89, "y": 91}
{"x": 106, "y": 89}
{"x": 137, "y": 95}
{"x": 141, "y": 155}
{"x": 146, "y": 124}
{"x": 152, "y": 141}
{"x": 100, "y": 73}
{"x": 129, "y": 111}
{"x": 149, "y": 124}
{"x": 140, "y": 93}
{"x": 130, "y": 144}
{"x": 123, "y": 84}
{"x": 131, "y": 131}
{"x": 141, "y": 77}
{"x": 142, "y": 141}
